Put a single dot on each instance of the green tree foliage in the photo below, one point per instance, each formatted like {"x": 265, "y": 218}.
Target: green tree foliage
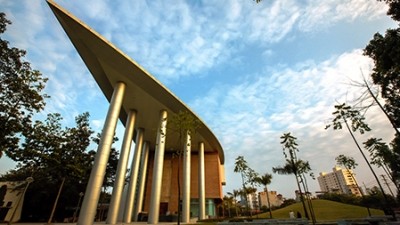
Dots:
{"x": 385, "y": 53}
{"x": 384, "y": 157}
{"x": 112, "y": 164}
{"x": 394, "y": 9}
{"x": 20, "y": 93}
{"x": 293, "y": 164}
{"x": 49, "y": 154}
{"x": 182, "y": 123}
{"x": 386, "y": 73}
{"x": 374, "y": 198}
{"x": 234, "y": 194}
{"x": 241, "y": 167}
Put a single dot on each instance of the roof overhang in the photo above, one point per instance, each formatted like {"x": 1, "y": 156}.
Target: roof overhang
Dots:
{"x": 144, "y": 93}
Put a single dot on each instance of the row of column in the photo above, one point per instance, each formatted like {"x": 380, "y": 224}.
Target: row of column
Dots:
{"x": 93, "y": 189}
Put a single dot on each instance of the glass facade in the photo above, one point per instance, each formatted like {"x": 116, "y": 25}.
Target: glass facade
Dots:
{"x": 210, "y": 207}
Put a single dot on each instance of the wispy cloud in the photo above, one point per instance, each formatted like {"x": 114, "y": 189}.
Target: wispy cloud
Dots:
{"x": 323, "y": 14}
{"x": 178, "y": 40}
{"x": 252, "y": 116}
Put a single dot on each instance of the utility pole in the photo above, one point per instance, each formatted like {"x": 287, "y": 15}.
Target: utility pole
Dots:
{"x": 387, "y": 184}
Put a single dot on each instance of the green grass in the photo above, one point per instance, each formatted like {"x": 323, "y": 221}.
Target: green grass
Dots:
{"x": 325, "y": 211}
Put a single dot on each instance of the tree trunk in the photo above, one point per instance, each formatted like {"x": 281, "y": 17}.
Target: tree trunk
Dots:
{"x": 381, "y": 107}
{"x": 369, "y": 165}
{"x": 269, "y": 204}
{"x": 298, "y": 184}
{"x": 310, "y": 206}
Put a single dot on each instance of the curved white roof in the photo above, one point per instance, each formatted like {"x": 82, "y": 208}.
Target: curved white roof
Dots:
{"x": 144, "y": 93}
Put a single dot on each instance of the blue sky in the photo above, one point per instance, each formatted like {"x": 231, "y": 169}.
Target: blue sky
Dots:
{"x": 250, "y": 71}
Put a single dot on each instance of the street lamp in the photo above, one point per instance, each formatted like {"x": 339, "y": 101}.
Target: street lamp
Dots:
{"x": 77, "y": 207}
{"x": 28, "y": 181}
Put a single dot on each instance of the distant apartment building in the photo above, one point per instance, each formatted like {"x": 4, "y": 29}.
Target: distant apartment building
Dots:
{"x": 275, "y": 199}
{"x": 251, "y": 201}
{"x": 338, "y": 181}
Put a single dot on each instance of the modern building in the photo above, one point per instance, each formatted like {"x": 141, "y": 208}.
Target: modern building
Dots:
{"x": 275, "y": 199}
{"x": 145, "y": 106}
{"x": 341, "y": 181}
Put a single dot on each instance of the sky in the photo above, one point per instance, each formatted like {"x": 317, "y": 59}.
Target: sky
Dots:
{"x": 250, "y": 71}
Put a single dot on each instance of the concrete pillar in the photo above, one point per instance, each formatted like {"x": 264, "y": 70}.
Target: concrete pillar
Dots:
{"x": 186, "y": 180}
{"x": 115, "y": 202}
{"x": 202, "y": 193}
{"x": 154, "y": 209}
{"x": 93, "y": 189}
{"x": 130, "y": 198}
{"x": 123, "y": 202}
{"x": 142, "y": 181}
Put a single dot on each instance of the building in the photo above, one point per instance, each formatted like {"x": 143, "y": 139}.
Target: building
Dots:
{"x": 251, "y": 201}
{"x": 339, "y": 181}
{"x": 144, "y": 106}
{"x": 11, "y": 200}
{"x": 275, "y": 199}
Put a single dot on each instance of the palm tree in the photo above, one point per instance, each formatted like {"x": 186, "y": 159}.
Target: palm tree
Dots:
{"x": 292, "y": 164}
{"x": 291, "y": 167}
{"x": 234, "y": 194}
{"x": 266, "y": 180}
{"x": 227, "y": 202}
{"x": 345, "y": 114}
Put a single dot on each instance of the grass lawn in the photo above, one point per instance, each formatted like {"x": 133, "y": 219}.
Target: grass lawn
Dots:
{"x": 325, "y": 211}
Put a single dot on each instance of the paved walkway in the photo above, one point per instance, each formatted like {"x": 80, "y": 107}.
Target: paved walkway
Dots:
{"x": 134, "y": 223}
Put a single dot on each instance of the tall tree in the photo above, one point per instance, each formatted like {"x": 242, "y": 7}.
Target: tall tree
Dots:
{"x": 354, "y": 122}
{"x": 383, "y": 50}
{"x": 384, "y": 157}
{"x": 182, "y": 123}
{"x": 53, "y": 155}
{"x": 265, "y": 180}
{"x": 242, "y": 167}
{"x": 292, "y": 163}
{"x": 370, "y": 97}
{"x": 20, "y": 93}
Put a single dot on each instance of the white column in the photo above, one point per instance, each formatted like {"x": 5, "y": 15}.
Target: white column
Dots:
{"x": 154, "y": 209}
{"x": 202, "y": 193}
{"x": 142, "y": 180}
{"x": 130, "y": 198}
{"x": 186, "y": 180}
{"x": 115, "y": 202}
{"x": 93, "y": 189}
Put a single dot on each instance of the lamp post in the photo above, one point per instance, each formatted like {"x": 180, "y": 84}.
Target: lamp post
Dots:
{"x": 28, "y": 181}
{"x": 77, "y": 207}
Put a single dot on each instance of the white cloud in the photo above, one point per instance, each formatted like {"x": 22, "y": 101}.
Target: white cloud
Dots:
{"x": 181, "y": 39}
{"x": 253, "y": 115}
{"x": 322, "y": 14}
